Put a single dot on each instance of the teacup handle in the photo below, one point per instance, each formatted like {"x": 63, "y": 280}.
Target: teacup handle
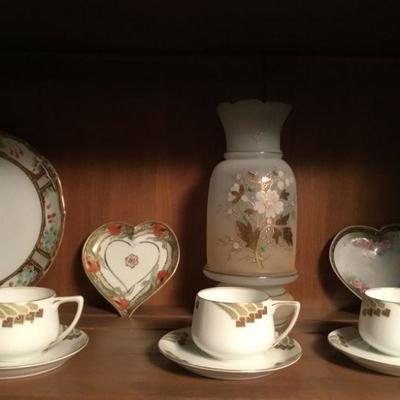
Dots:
{"x": 67, "y": 299}
{"x": 278, "y": 303}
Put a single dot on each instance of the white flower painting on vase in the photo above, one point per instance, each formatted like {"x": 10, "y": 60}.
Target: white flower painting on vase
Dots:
{"x": 260, "y": 206}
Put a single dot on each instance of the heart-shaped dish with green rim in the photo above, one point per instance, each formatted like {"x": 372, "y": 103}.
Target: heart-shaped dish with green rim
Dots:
{"x": 364, "y": 257}
{"x": 128, "y": 264}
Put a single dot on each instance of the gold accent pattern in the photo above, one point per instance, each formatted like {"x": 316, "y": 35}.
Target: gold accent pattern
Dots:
{"x": 74, "y": 334}
{"x": 177, "y": 337}
{"x": 338, "y": 339}
{"x": 286, "y": 343}
{"x": 243, "y": 313}
{"x": 374, "y": 308}
{"x": 18, "y": 314}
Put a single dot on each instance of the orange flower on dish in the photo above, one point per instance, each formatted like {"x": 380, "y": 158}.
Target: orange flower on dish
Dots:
{"x": 122, "y": 304}
{"x": 160, "y": 230}
{"x": 93, "y": 265}
{"x": 114, "y": 229}
{"x": 162, "y": 276}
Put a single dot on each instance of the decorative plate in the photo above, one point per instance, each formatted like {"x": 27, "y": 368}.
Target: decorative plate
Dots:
{"x": 47, "y": 360}
{"x": 349, "y": 342}
{"x": 178, "y": 347}
{"x": 128, "y": 264}
{"x": 364, "y": 257}
{"x": 32, "y": 213}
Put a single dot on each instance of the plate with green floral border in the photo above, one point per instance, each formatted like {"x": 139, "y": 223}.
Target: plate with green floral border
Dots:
{"x": 364, "y": 257}
{"x": 32, "y": 213}
{"x": 128, "y": 264}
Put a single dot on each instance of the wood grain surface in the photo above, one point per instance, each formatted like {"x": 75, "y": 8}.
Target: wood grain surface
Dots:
{"x": 136, "y": 138}
{"x": 122, "y": 361}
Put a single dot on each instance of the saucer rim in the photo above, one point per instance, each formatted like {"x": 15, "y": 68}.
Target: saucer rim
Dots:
{"x": 36, "y": 364}
{"x": 352, "y": 355}
{"x": 33, "y": 374}
{"x": 293, "y": 360}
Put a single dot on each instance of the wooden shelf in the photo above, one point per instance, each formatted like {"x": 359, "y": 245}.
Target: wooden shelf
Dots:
{"x": 122, "y": 362}
{"x": 312, "y": 319}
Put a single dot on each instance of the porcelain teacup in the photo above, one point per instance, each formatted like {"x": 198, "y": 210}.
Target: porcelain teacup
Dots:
{"x": 234, "y": 322}
{"x": 29, "y": 321}
{"x": 379, "y": 321}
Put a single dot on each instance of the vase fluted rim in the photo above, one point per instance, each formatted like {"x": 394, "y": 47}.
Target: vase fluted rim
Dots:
{"x": 252, "y": 125}
{"x": 252, "y": 102}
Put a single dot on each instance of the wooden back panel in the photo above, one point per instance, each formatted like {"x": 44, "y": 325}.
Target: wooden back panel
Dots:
{"x": 136, "y": 138}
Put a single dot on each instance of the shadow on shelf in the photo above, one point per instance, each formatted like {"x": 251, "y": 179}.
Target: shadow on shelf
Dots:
{"x": 157, "y": 359}
{"x": 340, "y": 296}
{"x": 328, "y": 353}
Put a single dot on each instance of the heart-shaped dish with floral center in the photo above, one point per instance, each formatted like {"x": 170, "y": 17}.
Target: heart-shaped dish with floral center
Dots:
{"x": 128, "y": 264}
{"x": 364, "y": 257}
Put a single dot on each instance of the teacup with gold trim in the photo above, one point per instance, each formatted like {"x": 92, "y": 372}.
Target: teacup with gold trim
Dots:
{"x": 29, "y": 321}
{"x": 379, "y": 321}
{"x": 236, "y": 322}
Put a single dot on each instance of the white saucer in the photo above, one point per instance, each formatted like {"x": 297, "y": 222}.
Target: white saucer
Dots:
{"x": 179, "y": 348}
{"x": 46, "y": 361}
{"x": 349, "y": 342}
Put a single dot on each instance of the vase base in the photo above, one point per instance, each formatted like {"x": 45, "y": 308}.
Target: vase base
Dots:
{"x": 255, "y": 281}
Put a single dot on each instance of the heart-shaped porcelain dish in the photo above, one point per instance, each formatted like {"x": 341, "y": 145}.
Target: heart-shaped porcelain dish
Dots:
{"x": 128, "y": 264}
{"x": 364, "y": 257}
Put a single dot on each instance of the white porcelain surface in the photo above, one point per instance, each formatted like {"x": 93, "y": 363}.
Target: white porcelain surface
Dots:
{"x": 29, "y": 321}
{"x": 349, "y": 342}
{"x": 31, "y": 213}
{"x": 364, "y": 257}
{"x": 379, "y": 321}
{"x": 21, "y": 213}
{"x": 179, "y": 348}
{"x": 252, "y": 200}
{"x": 234, "y": 322}
{"x": 48, "y": 360}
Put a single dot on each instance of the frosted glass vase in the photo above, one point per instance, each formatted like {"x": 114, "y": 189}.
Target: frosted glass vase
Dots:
{"x": 252, "y": 202}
